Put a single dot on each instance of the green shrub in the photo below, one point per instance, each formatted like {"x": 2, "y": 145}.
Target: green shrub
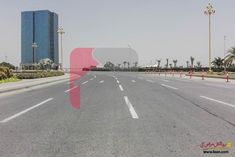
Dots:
{"x": 5, "y": 73}
{"x": 2, "y": 75}
{"x": 38, "y": 74}
{"x": 8, "y": 65}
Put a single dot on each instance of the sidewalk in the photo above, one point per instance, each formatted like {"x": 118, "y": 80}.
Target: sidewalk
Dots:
{"x": 27, "y": 83}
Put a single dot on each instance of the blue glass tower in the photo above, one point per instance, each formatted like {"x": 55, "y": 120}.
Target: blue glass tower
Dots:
{"x": 40, "y": 27}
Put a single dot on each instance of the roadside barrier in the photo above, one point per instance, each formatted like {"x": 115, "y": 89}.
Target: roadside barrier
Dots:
{"x": 227, "y": 78}
{"x": 202, "y": 75}
{"x": 190, "y": 74}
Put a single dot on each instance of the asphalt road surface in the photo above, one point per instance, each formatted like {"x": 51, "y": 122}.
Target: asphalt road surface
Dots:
{"x": 122, "y": 115}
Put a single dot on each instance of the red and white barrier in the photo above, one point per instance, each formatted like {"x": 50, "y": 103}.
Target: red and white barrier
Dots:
{"x": 203, "y": 75}
{"x": 227, "y": 77}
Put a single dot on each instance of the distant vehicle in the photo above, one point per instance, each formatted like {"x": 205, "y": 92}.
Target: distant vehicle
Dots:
{"x": 92, "y": 66}
{"x": 85, "y": 69}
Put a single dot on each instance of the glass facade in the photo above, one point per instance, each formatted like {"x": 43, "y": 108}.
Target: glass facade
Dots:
{"x": 39, "y": 27}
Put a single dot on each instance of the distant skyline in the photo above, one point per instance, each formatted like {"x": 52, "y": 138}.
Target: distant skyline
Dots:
{"x": 156, "y": 29}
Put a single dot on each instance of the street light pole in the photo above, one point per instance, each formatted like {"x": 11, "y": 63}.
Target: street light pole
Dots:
{"x": 34, "y": 46}
{"x": 224, "y": 52}
{"x": 129, "y": 46}
{"x": 225, "y": 45}
{"x": 209, "y": 11}
{"x": 61, "y": 32}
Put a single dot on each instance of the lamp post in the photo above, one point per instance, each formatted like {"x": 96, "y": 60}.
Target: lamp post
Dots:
{"x": 209, "y": 11}
{"x": 61, "y": 32}
{"x": 129, "y": 46}
{"x": 224, "y": 52}
{"x": 34, "y": 46}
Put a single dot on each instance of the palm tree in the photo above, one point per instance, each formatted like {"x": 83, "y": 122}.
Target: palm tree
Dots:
{"x": 218, "y": 62}
{"x": 187, "y": 62}
{"x": 192, "y": 60}
{"x": 230, "y": 57}
{"x": 124, "y": 63}
{"x": 175, "y": 62}
{"x": 45, "y": 63}
{"x": 128, "y": 65}
{"x": 199, "y": 64}
{"x": 167, "y": 62}
{"x": 135, "y": 64}
{"x": 170, "y": 65}
{"x": 158, "y": 63}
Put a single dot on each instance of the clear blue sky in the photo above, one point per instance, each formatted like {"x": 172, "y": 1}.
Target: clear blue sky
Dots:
{"x": 156, "y": 29}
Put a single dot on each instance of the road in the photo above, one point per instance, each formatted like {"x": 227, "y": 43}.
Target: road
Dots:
{"x": 122, "y": 114}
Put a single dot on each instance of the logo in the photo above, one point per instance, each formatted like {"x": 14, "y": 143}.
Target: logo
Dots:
{"x": 216, "y": 147}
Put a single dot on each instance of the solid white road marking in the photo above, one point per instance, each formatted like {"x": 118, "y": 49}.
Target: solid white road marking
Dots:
{"x": 182, "y": 80}
{"x": 150, "y": 81}
{"x": 118, "y": 82}
{"x": 169, "y": 86}
{"x": 70, "y": 82}
{"x": 131, "y": 108}
{"x": 102, "y": 81}
{"x": 70, "y": 89}
{"x": 25, "y": 111}
{"x": 84, "y": 82}
{"x": 133, "y": 81}
{"x": 218, "y": 101}
{"x": 120, "y": 86}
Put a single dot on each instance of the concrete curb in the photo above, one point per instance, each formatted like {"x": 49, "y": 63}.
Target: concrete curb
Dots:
{"x": 29, "y": 86}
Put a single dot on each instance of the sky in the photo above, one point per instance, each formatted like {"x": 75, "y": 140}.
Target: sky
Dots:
{"x": 155, "y": 29}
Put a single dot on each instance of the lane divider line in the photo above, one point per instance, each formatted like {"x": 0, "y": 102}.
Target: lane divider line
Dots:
{"x": 118, "y": 82}
{"x": 150, "y": 81}
{"x": 70, "y": 89}
{"x": 102, "y": 81}
{"x": 133, "y": 81}
{"x": 25, "y": 111}
{"x": 183, "y": 80}
{"x": 218, "y": 101}
{"x": 120, "y": 86}
{"x": 70, "y": 82}
{"x": 131, "y": 108}
{"x": 84, "y": 82}
{"x": 169, "y": 86}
